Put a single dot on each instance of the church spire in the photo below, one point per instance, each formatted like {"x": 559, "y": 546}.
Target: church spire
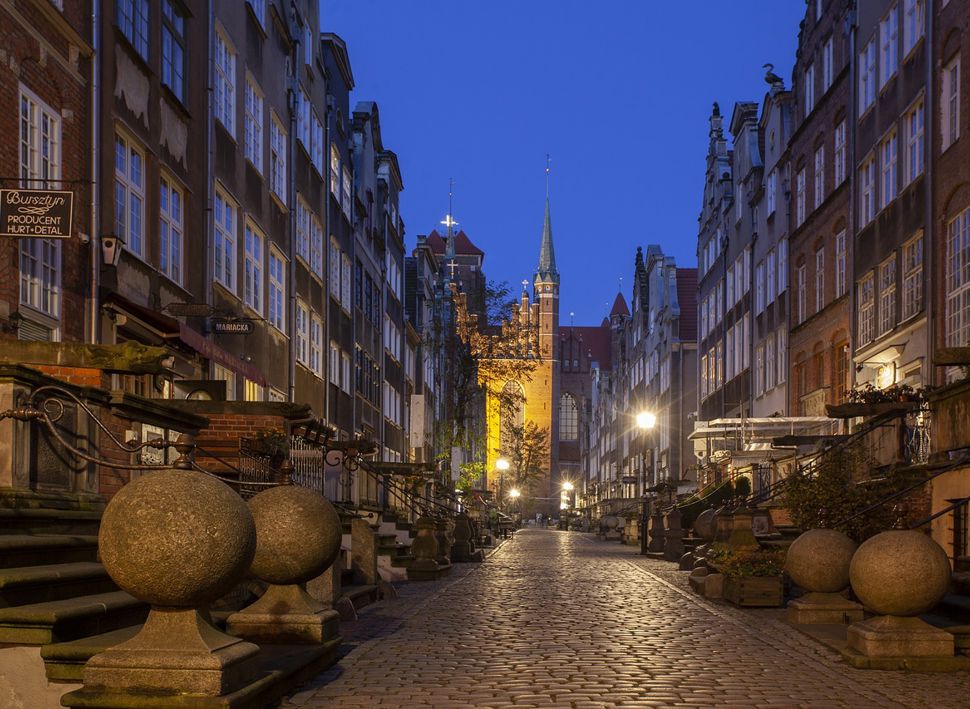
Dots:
{"x": 547, "y": 253}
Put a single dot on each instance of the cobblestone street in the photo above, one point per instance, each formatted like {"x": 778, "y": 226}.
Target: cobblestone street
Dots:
{"x": 555, "y": 619}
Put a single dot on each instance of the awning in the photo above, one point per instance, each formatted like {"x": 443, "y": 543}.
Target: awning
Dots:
{"x": 211, "y": 350}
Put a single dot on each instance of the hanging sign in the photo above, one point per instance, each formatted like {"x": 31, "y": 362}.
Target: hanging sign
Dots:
{"x": 36, "y": 214}
{"x": 223, "y": 326}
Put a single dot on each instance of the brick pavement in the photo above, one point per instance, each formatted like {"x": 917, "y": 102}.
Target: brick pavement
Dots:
{"x": 556, "y": 619}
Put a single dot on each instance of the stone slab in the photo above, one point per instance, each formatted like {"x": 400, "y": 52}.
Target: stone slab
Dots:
{"x": 823, "y": 609}
{"x": 892, "y": 636}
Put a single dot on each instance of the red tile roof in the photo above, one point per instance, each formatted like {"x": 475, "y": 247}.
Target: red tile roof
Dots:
{"x": 463, "y": 245}
{"x": 597, "y": 341}
{"x": 687, "y": 297}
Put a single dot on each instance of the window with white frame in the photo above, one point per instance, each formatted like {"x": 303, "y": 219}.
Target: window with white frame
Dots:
{"x": 334, "y": 363}
{"x": 131, "y": 17}
{"x": 730, "y": 286}
{"x": 225, "y": 83}
{"x": 914, "y": 23}
{"x": 770, "y": 362}
{"x": 809, "y": 89}
{"x": 259, "y": 10}
{"x": 303, "y": 119}
{"x": 316, "y": 345}
{"x": 782, "y": 266}
{"x": 950, "y": 103}
{"x": 759, "y": 288}
{"x": 828, "y": 63}
{"x": 800, "y": 197}
{"x": 913, "y": 277}
{"x": 771, "y": 265}
{"x": 277, "y": 290}
{"x": 254, "y": 124}
{"x": 819, "y": 175}
{"x": 782, "y": 355}
{"x": 732, "y": 347}
{"x": 888, "y": 46}
{"x": 887, "y": 295}
{"x": 334, "y": 258}
{"x": 772, "y": 190}
{"x": 801, "y": 286}
{"x": 759, "y": 370}
{"x": 840, "y": 153}
{"x": 335, "y": 170}
{"x": 277, "y": 159}
{"x": 224, "y": 256}
{"x": 302, "y": 333}
{"x": 867, "y": 185}
{"x": 819, "y": 280}
{"x": 316, "y": 142}
{"x": 345, "y": 377}
{"x": 316, "y": 246}
{"x": 173, "y": 48}
{"x": 171, "y": 226}
{"x": 867, "y": 76}
{"x": 887, "y": 154}
{"x": 253, "y": 286}
{"x": 866, "y": 310}
{"x": 346, "y": 198}
{"x": 958, "y": 280}
{"x": 224, "y": 374}
{"x": 130, "y": 194}
{"x": 40, "y": 162}
{"x": 841, "y": 261}
{"x": 302, "y": 229}
{"x": 346, "y": 294}
{"x": 704, "y": 378}
{"x": 913, "y": 123}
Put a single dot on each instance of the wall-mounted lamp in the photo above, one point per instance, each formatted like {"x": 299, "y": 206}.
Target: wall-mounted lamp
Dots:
{"x": 110, "y": 249}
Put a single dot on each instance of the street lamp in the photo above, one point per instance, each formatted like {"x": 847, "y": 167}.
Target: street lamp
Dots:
{"x": 646, "y": 420}
{"x": 501, "y": 465}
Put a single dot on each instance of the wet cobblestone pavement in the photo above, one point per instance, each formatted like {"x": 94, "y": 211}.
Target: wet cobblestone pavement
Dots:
{"x": 557, "y": 619}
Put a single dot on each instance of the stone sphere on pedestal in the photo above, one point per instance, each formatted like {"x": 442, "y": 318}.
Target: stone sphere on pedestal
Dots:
{"x": 704, "y": 525}
{"x": 900, "y": 573}
{"x": 819, "y": 560}
{"x": 297, "y": 534}
{"x": 176, "y": 538}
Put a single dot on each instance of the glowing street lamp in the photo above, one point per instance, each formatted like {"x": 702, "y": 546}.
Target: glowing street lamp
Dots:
{"x": 514, "y": 493}
{"x": 567, "y": 486}
{"x": 501, "y": 465}
{"x": 646, "y": 420}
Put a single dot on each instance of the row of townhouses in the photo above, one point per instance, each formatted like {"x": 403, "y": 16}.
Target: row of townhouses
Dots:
{"x": 232, "y": 205}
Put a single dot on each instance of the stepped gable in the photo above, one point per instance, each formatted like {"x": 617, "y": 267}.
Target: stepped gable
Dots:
{"x": 463, "y": 244}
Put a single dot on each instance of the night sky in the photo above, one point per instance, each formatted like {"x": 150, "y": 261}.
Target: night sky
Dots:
{"x": 617, "y": 91}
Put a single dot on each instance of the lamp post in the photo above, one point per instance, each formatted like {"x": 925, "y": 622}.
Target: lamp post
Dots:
{"x": 646, "y": 420}
{"x": 565, "y": 504}
{"x": 501, "y": 465}
{"x": 514, "y": 498}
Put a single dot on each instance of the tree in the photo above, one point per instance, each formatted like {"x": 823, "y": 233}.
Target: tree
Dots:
{"x": 527, "y": 450}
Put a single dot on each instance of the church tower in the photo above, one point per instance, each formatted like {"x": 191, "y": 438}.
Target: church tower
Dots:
{"x": 546, "y": 293}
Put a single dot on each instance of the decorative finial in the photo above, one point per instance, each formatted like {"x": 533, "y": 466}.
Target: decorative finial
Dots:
{"x": 525, "y": 286}
{"x": 548, "y": 169}
{"x": 449, "y": 220}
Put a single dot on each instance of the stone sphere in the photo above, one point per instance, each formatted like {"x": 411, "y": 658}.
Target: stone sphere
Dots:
{"x": 704, "y": 525}
{"x": 297, "y": 534}
{"x": 819, "y": 560}
{"x": 176, "y": 538}
{"x": 611, "y": 522}
{"x": 900, "y": 572}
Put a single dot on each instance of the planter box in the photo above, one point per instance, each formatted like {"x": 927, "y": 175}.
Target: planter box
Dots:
{"x": 754, "y": 591}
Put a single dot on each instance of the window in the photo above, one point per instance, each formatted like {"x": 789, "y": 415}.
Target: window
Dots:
{"x": 887, "y": 151}
{"x": 840, "y": 153}
{"x": 277, "y": 290}
{"x": 220, "y": 373}
{"x": 303, "y": 119}
{"x": 770, "y": 362}
{"x": 782, "y": 355}
{"x": 809, "y": 89}
{"x": 914, "y": 142}
{"x": 759, "y": 288}
{"x": 346, "y": 199}
{"x": 225, "y": 246}
{"x": 132, "y": 20}
{"x": 913, "y": 277}
{"x": 334, "y": 363}
{"x": 334, "y": 257}
{"x": 887, "y": 295}
{"x": 345, "y": 376}
{"x": 345, "y": 286}
{"x": 889, "y": 46}
{"x": 867, "y": 176}
{"x": 302, "y": 229}
{"x": 731, "y": 300}
{"x": 733, "y": 347}
{"x": 950, "y": 103}
{"x": 819, "y": 175}
{"x": 130, "y": 194}
{"x": 759, "y": 370}
{"x": 335, "y": 171}
{"x": 818, "y": 10}
{"x": 316, "y": 142}
{"x": 801, "y": 286}
{"x": 302, "y": 333}
{"x": 958, "y": 281}
{"x": 800, "y": 198}
{"x": 771, "y": 265}
{"x": 259, "y": 10}
{"x": 866, "y": 307}
{"x": 253, "y": 391}
{"x": 867, "y": 76}
{"x": 277, "y": 159}
{"x": 254, "y": 124}
{"x": 568, "y": 418}
{"x": 914, "y": 23}
{"x": 170, "y": 229}
{"x": 173, "y": 48}
{"x": 253, "y": 286}
{"x": 225, "y": 84}
{"x": 772, "y": 190}
{"x": 819, "y": 280}
{"x": 316, "y": 245}
{"x": 40, "y": 154}
{"x": 828, "y": 60}
{"x": 782, "y": 266}
{"x": 316, "y": 345}
{"x": 841, "y": 259}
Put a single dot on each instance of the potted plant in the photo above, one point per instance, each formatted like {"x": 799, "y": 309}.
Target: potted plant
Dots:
{"x": 271, "y": 443}
{"x": 751, "y": 578}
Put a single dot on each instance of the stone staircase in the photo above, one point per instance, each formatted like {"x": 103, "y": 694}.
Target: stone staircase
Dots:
{"x": 952, "y": 614}
{"x": 393, "y": 547}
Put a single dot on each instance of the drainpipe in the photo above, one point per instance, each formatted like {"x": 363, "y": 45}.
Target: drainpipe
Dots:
{"x": 293, "y": 106}
{"x": 929, "y": 223}
{"x": 208, "y": 292}
{"x": 95, "y": 236}
{"x": 325, "y": 256}
{"x": 852, "y": 124}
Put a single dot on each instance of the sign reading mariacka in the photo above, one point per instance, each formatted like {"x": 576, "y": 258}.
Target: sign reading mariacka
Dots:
{"x": 39, "y": 214}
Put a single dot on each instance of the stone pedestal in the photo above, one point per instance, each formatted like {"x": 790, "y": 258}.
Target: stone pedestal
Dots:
{"x": 673, "y": 537}
{"x": 175, "y": 648}
{"x": 723, "y": 524}
{"x": 285, "y": 615}
{"x": 461, "y": 549}
{"x": 894, "y": 636}
{"x": 742, "y": 536}
{"x": 441, "y": 535}
{"x": 424, "y": 548}
{"x": 363, "y": 552}
{"x": 823, "y": 609}
{"x": 327, "y": 587}
{"x": 656, "y": 532}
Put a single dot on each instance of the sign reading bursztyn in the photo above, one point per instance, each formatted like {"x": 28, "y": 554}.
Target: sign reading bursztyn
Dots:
{"x": 38, "y": 214}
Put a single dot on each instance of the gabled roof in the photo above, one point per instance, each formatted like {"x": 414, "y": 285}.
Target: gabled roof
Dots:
{"x": 620, "y": 306}
{"x": 340, "y": 55}
{"x": 463, "y": 245}
{"x": 596, "y": 340}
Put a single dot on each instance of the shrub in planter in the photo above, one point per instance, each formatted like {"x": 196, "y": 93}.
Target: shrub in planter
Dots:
{"x": 751, "y": 578}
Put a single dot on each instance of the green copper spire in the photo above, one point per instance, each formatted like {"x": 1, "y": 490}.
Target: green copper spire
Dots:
{"x": 547, "y": 253}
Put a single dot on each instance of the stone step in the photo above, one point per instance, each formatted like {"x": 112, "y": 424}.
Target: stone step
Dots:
{"x": 389, "y": 538}
{"x": 29, "y": 520}
{"x": 40, "y": 550}
{"x": 403, "y": 526}
{"x": 64, "y": 662}
{"x": 35, "y": 584}
{"x": 69, "y": 619}
{"x": 393, "y": 550}
{"x": 361, "y": 595}
{"x": 401, "y": 561}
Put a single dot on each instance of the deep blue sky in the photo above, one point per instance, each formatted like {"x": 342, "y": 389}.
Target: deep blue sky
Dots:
{"x": 617, "y": 91}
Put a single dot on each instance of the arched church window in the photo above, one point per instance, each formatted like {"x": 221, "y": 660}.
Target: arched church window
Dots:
{"x": 568, "y": 418}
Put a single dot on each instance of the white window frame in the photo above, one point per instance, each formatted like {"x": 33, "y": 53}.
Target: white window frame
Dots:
{"x": 840, "y": 151}
{"x": 224, "y": 268}
{"x": 950, "y": 103}
{"x": 912, "y": 277}
{"x": 957, "y": 280}
{"x": 887, "y": 295}
{"x": 316, "y": 345}
{"x": 889, "y": 174}
{"x": 819, "y": 177}
{"x": 335, "y": 171}
{"x": 772, "y": 190}
{"x": 828, "y": 64}
{"x": 800, "y": 211}
{"x": 316, "y": 246}
{"x": 771, "y": 267}
{"x": 867, "y": 76}
{"x": 841, "y": 263}
{"x": 302, "y": 235}
{"x": 171, "y": 218}
{"x": 914, "y": 24}
{"x": 888, "y": 46}
{"x": 302, "y": 332}
{"x": 867, "y": 187}
{"x": 254, "y": 124}
{"x": 782, "y": 356}
{"x": 866, "y": 312}
{"x": 224, "y": 103}
{"x": 276, "y": 296}
{"x": 277, "y": 158}
{"x": 255, "y": 248}
{"x": 819, "y": 279}
{"x": 801, "y": 285}
{"x": 303, "y": 113}
{"x": 915, "y": 125}
{"x": 346, "y": 191}
{"x": 334, "y": 261}
{"x": 316, "y": 142}
{"x": 130, "y": 195}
